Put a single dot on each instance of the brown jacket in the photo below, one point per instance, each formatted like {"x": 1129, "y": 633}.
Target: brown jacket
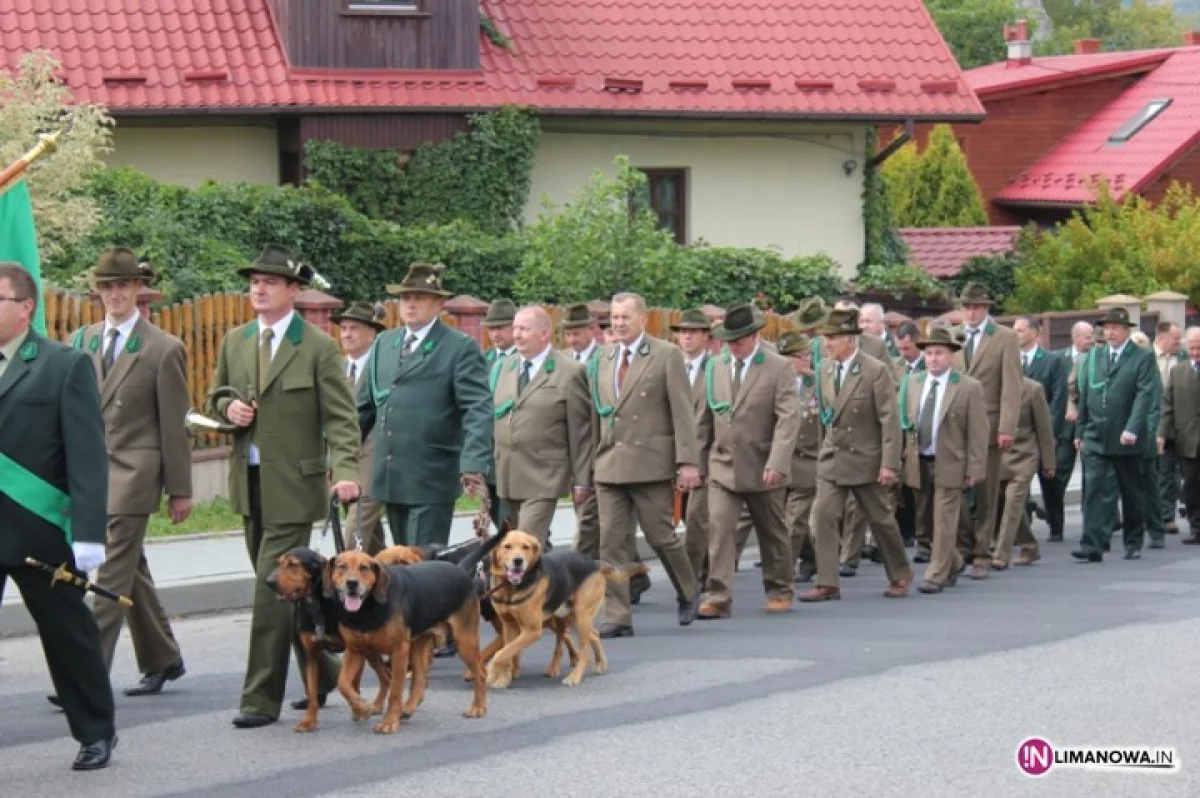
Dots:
{"x": 543, "y": 437}
{"x": 1035, "y": 444}
{"x": 961, "y": 442}
{"x": 1181, "y": 410}
{"x": 757, "y": 430}
{"x": 650, "y": 430}
{"x": 874, "y": 346}
{"x": 997, "y": 366}
{"x": 808, "y": 440}
{"x": 863, "y": 435}
{"x": 144, "y": 400}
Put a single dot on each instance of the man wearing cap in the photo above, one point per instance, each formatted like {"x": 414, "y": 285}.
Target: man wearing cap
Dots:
{"x": 142, "y": 373}
{"x": 802, "y": 489}
{"x": 1120, "y": 398}
{"x": 543, "y": 427}
{"x": 498, "y": 323}
{"x": 693, "y": 334}
{"x": 427, "y": 396}
{"x": 747, "y": 435}
{"x": 860, "y": 456}
{"x": 1181, "y": 418}
{"x": 295, "y": 413}
{"x": 945, "y": 450}
{"x": 992, "y": 355}
{"x": 52, "y": 500}
{"x": 1032, "y": 451}
{"x": 645, "y": 433}
{"x": 871, "y": 341}
{"x": 358, "y": 326}
{"x": 909, "y": 360}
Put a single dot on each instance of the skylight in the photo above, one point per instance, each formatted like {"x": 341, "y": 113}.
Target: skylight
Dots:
{"x": 1143, "y": 117}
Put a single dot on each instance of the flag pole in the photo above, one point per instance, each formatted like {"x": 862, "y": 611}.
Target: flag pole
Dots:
{"x": 47, "y": 143}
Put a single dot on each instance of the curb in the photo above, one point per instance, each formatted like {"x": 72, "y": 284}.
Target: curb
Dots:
{"x": 234, "y": 592}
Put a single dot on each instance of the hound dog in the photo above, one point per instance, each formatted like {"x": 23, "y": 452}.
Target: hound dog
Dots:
{"x": 532, "y": 588}
{"x": 384, "y": 609}
{"x": 297, "y": 578}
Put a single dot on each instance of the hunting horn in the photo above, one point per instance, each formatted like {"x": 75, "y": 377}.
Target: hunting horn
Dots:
{"x": 47, "y": 142}
{"x": 198, "y": 422}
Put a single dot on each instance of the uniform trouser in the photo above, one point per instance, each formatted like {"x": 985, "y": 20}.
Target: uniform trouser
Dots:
{"x": 650, "y": 505}
{"x": 799, "y": 520}
{"x": 975, "y": 532}
{"x": 1108, "y": 476}
{"x": 587, "y": 533}
{"x": 1168, "y": 482}
{"x": 1153, "y": 497}
{"x": 421, "y": 524}
{"x": 695, "y": 536}
{"x": 273, "y": 622}
{"x": 1190, "y": 466}
{"x": 127, "y": 573}
{"x": 532, "y": 515}
{"x": 875, "y": 502}
{"x": 906, "y": 515}
{"x": 1014, "y": 523}
{"x": 853, "y": 533}
{"x": 937, "y": 510}
{"x": 745, "y": 526}
{"x": 71, "y": 645}
{"x": 1064, "y": 465}
{"x": 1053, "y": 495}
{"x": 774, "y": 542}
{"x": 366, "y": 520}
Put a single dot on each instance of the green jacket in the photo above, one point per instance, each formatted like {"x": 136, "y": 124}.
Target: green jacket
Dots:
{"x": 433, "y": 410}
{"x": 1126, "y": 399}
{"x": 49, "y": 396}
{"x": 307, "y": 402}
{"x": 1050, "y": 371}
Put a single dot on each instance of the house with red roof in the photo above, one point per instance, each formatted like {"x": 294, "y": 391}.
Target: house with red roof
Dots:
{"x": 1057, "y": 125}
{"x": 750, "y": 117}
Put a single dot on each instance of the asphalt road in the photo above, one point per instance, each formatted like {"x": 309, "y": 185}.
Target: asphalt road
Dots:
{"x": 928, "y": 696}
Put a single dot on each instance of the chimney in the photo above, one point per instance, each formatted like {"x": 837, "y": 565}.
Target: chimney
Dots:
{"x": 1087, "y": 46}
{"x": 1020, "y": 50}
{"x": 1191, "y": 38}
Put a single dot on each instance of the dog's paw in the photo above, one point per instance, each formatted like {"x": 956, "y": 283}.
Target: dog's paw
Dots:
{"x": 377, "y": 708}
{"x": 468, "y": 676}
{"x": 553, "y": 672}
{"x": 387, "y": 727}
{"x": 600, "y": 668}
{"x": 305, "y": 726}
{"x": 572, "y": 680}
{"x": 361, "y": 711}
{"x": 475, "y": 712}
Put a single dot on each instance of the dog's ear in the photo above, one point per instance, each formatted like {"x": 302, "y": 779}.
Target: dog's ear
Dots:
{"x": 537, "y": 549}
{"x": 327, "y": 589}
{"x": 382, "y": 580}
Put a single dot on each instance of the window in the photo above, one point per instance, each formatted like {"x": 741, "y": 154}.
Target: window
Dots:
{"x": 384, "y": 7}
{"x": 1128, "y": 130}
{"x": 668, "y": 191}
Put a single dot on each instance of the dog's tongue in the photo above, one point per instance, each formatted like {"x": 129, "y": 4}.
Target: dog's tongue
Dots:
{"x": 515, "y": 576}
{"x": 352, "y": 603}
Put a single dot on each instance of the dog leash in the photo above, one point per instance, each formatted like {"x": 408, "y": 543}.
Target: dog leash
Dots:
{"x": 333, "y": 520}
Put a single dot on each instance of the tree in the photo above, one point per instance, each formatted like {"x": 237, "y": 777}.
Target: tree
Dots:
{"x": 934, "y": 188}
{"x": 34, "y": 101}
{"x": 972, "y": 28}
{"x": 1130, "y": 247}
{"x": 1130, "y": 25}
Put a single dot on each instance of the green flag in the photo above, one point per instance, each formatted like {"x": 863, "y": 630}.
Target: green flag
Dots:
{"x": 18, "y": 241}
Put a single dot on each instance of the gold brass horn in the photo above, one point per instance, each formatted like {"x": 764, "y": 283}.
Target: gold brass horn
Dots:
{"x": 198, "y": 422}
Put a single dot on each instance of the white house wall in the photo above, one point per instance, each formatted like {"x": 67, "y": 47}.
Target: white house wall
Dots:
{"x": 188, "y": 156}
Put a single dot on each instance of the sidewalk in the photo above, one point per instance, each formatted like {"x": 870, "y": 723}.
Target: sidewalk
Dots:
{"x": 211, "y": 573}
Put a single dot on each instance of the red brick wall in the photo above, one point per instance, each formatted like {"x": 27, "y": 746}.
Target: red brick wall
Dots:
{"x": 1187, "y": 170}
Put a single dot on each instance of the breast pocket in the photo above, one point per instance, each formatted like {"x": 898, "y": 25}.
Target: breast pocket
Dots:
{"x": 297, "y": 382}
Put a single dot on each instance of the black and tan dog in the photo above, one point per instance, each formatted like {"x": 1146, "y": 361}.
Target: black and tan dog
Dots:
{"x": 393, "y": 610}
{"x": 531, "y": 588}
{"x": 297, "y": 578}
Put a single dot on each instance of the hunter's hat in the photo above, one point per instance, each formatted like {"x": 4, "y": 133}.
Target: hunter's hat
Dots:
{"x": 422, "y": 278}
{"x": 576, "y": 316}
{"x": 119, "y": 263}
{"x": 693, "y": 319}
{"x": 810, "y": 314}
{"x": 974, "y": 294}
{"x": 840, "y": 322}
{"x": 500, "y": 313}
{"x": 941, "y": 336}
{"x": 740, "y": 321}
{"x": 794, "y": 342}
{"x": 1118, "y": 316}
{"x": 281, "y": 262}
{"x": 363, "y": 313}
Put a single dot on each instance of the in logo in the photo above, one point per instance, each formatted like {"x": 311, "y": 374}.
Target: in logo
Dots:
{"x": 1035, "y": 756}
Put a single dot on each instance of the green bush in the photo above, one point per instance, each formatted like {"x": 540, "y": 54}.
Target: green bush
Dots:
{"x": 724, "y": 275}
{"x": 997, "y": 273}
{"x": 899, "y": 281}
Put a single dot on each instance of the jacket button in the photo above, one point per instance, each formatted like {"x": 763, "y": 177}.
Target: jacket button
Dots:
{"x": 635, "y": 418}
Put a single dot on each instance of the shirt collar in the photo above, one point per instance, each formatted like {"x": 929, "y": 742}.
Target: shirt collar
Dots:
{"x": 635, "y": 346}
{"x": 124, "y": 329}
{"x": 359, "y": 362}
{"x": 538, "y": 359}
{"x": 982, "y": 325}
{"x": 695, "y": 361}
{"x": 279, "y": 328}
{"x": 848, "y": 362}
{"x": 1031, "y": 353}
{"x": 424, "y": 331}
{"x": 1120, "y": 349}
{"x": 11, "y": 348}
{"x": 585, "y": 354}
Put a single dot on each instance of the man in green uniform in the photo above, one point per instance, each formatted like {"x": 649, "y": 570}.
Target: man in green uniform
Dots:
{"x": 499, "y": 326}
{"x": 296, "y": 420}
{"x": 1119, "y": 405}
{"x": 52, "y": 505}
{"x": 427, "y": 393}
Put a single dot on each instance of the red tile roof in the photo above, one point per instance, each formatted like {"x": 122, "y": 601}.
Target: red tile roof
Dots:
{"x": 785, "y": 58}
{"x": 943, "y": 251}
{"x": 1068, "y": 173}
{"x": 1042, "y": 73}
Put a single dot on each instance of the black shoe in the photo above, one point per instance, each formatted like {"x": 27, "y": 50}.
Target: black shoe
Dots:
{"x": 805, "y": 572}
{"x": 1157, "y": 544}
{"x": 448, "y": 650}
{"x": 638, "y": 585}
{"x": 611, "y": 630}
{"x": 1133, "y": 554}
{"x": 873, "y": 554}
{"x": 302, "y": 704}
{"x": 687, "y": 609}
{"x": 1055, "y": 537}
{"x": 252, "y": 720}
{"x": 55, "y": 701}
{"x": 152, "y": 683}
{"x": 1107, "y": 548}
{"x": 1088, "y": 556}
{"x": 909, "y": 542}
{"x": 94, "y": 756}
{"x": 921, "y": 557}
{"x": 848, "y": 570}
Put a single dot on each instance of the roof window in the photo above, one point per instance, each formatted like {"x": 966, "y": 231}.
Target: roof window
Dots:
{"x": 1143, "y": 117}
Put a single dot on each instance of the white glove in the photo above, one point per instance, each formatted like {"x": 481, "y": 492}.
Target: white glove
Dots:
{"x": 88, "y": 556}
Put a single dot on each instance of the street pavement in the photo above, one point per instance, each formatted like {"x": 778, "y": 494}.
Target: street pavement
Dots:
{"x": 927, "y": 696}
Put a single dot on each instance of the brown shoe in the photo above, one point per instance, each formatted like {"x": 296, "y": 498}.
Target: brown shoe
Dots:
{"x": 820, "y": 593}
{"x": 999, "y": 565}
{"x": 1172, "y": 528}
{"x": 978, "y": 571}
{"x": 1027, "y": 558}
{"x": 711, "y": 612}
{"x": 898, "y": 589}
{"x": 929, "y": 587}
{"x": 778, "y": 604}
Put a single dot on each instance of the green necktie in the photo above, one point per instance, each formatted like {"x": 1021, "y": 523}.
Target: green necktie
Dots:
{"x": 737, "y": 377}
{"x": 264, "y": 359}
{"x": 523, "y": 380}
